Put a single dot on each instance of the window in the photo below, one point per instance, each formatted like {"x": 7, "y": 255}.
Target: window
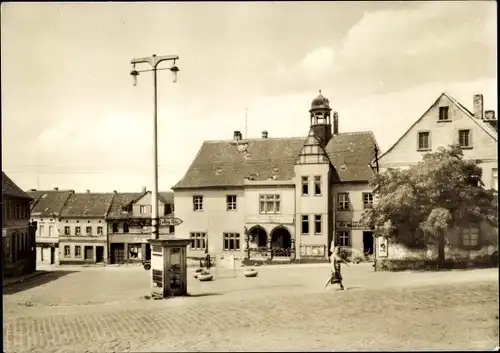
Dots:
{"x": 168, "y": 208}
{"x": 42, "y": 231}
{"x": 231, "y": 202}
{"x": 367, "y": 200}
{"x": 464, "y": 138}
{"x": 317, "y": 224}
{"x": 198, "y": 241}
{"x": 443, "y": 113}
{"x": 270, "y": 203}
{"x": 100, "y": 230}
{"x": 198, "y": 203}
{"x": 305, "y": 186}
{"x": 144, "y": 209}
{"x": 423, "y": 140}
{"x": 470, "y": 236}
{"x": 77, "y": 230}
{"x": 125, "y": 227}
{"x": 171, "y": 229}
{"x": 78, "y": 251}
{"x": 17, "y": 212}
{"x": 67, "y": 251}
{"x": 343, "y": 201}
{"x": 133, "y": 251}
{"x": 231, "y": 241}
{"x": 317, "y": 185}
{"x": 51, "y": 231}
{"x": 67, "y": 230}
{"x": 115, "y": 227}
{"x": 342, "y": 239}
{"x": 305, "y": 225}
{"x": 88, "y": 230}
{"x": 494, "y": 177}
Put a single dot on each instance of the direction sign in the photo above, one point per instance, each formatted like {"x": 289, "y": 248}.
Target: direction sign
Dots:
{"x": 170, "y": 221}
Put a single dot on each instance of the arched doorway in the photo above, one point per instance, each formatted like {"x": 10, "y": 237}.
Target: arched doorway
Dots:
{"x": 281, "y": 242}
{"x": 257, "y": 241}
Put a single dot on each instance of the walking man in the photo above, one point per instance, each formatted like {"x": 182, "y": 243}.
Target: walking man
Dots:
{"x": 336, "y": 274}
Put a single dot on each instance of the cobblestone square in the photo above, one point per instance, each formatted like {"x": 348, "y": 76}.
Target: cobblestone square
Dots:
{"x": 284, "y": 308}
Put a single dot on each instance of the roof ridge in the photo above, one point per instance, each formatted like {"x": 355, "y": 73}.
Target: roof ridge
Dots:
{"x": 355, "y": 132}
{"x": 258, "y": 139}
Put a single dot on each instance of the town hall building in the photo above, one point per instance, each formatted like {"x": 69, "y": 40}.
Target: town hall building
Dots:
{"x": 285, "y": 198}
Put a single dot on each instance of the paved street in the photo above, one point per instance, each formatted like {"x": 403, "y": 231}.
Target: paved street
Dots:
{"x": 287, "y": 308}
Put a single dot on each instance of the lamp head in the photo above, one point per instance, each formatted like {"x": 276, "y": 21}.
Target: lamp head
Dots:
{"x": 134, "y": 73}
{"x": 174, "y": 69}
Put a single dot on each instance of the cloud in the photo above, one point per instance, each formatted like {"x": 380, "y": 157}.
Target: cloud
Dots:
{"x": 431, "y": 27}
{"x": 392, "y": 50}
{"x": 319, "y": 60}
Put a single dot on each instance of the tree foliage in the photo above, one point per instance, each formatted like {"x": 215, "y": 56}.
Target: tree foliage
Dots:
{"x": 441, "y": 191}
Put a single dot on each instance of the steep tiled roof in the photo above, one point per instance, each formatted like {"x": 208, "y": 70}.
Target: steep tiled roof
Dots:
{"x": 119, "y": 202}
{"x": 351, "y": 154}
{"x": 48, "y": 203}
{"x": 87, "y": 205}
{"x": 123, "y": 200}
{"x": 166, "y": 196}
{"x": 9, "y": 188}
{"x": 222, "y": 163}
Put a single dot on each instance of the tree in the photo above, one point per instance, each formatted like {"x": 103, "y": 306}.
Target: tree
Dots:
{"x": 417, "y": 205}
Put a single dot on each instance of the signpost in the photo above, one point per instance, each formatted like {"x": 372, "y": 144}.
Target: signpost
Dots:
{"x": 170, "y": 221}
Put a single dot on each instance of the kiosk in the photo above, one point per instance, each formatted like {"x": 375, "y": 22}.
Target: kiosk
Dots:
{"x": 168, "y": 267}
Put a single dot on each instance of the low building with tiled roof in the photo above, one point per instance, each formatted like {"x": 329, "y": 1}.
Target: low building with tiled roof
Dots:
{"x": 18, "y": 234}
{"x": 129, "y": 224}
{"x": 46, "y": 208}
{"x": 84, "y": 236}
{"x": 279, "y": 197}
{"x": 448, "y": 122}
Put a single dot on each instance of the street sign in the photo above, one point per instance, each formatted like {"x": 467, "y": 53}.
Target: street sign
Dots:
{"x": 170, "y": 221}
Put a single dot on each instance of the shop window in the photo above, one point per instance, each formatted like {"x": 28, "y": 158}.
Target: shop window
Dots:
{"x": 134, "y": 251}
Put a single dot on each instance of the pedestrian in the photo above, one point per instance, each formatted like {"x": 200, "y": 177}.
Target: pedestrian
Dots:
{"x": 336, "y": 274}
{"x": 208, "y": 263}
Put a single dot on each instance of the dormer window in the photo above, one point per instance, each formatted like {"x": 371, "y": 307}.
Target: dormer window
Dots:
{"x": 443, "y": 114}
{"x": 145, "y": 209}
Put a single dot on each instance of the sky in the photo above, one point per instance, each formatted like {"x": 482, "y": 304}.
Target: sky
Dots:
{"x": 72, "y": 119}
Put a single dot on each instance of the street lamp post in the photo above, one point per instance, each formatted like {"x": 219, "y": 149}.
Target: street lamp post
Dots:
{"x": 154, "y": 61}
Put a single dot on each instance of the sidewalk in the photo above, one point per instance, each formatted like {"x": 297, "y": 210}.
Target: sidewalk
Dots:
{"x": 9, "y": 281}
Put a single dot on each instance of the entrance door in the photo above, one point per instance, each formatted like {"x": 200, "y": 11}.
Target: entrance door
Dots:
{"x": 89, "y": 253}
{"x": 368, "y": 242}
{"x": 117, "y": 253}
{"x": 148, "y": 252}
{"x": 52, "y": 255}
{"x": 99, "y": 253}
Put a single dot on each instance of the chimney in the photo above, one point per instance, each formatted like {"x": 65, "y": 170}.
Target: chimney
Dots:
{"x": 489, "y": 118}
{"x": 56, "y": 188}
{"x": 264, "y": 134}
{"x": 478, "y": 106}
{"x": 335, "y": 123}
{"x": 88, "y": 191}
{"x": 143, "y": 189}
{"x": 237, "y": 135}
{"x": 489, "y": 115}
